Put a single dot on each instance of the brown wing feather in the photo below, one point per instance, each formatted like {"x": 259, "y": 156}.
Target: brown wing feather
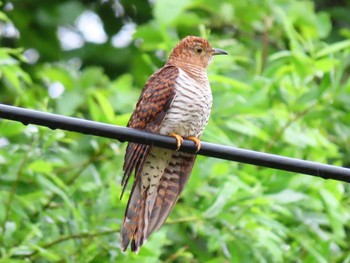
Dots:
{"x": 155, "y": 99}
{"x": 134, "y": 158}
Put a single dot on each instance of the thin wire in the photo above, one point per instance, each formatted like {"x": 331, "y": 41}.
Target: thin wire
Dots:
{"x": 54, "y": 121}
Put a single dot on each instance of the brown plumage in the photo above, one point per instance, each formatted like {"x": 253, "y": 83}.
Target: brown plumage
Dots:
{"x": 176, "y": 101}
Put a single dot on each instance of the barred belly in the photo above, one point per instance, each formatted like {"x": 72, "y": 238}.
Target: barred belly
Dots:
{"x": 190, "y": 109}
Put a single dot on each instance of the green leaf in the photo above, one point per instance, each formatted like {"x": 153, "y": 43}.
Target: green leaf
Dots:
{"x": 47, "y": 254}
{"x": 50, "y": 186}
{"x": 104, "y": 106}
{"x": 166, "y": 11}
{"x": 41, "y": 166}
{"x": 3, "y": 17}
{"x": 68, "y": 103}
{"x": 336, "y": 218}
{"x": 236, "y": 84}
{"x": 224, "y": 195}
{"x": 243, "y": 126}
{"x": 9, "y": 73}
{"x": 333, "y": 48}
{"x": 288, "y": 196}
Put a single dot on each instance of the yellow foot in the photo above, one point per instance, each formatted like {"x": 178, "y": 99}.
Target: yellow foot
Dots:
{"x": 179, "y": 140}
{"x": 196, "y": 141}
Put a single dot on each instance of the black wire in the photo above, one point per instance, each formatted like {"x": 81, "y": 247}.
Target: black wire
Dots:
{"x": 54, "y": 121}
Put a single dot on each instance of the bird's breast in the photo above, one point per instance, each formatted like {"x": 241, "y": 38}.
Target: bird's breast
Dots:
{"x": 190, "y": 109}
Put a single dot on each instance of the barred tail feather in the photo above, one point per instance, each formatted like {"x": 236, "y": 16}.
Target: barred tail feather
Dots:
{"x": 146, "y": 211}
{"x": 172, "y": 183}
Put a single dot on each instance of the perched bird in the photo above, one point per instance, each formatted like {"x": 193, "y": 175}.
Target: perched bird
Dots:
{"x": 175, "y": 101}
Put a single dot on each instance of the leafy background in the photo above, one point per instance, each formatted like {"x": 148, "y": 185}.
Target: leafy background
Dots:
{"x": 283, "y": 89}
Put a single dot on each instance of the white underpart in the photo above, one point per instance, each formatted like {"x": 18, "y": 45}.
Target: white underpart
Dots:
{"x": 190, "y": 110}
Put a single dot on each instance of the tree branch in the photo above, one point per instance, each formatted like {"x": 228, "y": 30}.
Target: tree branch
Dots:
{"x": 74, "y": 236}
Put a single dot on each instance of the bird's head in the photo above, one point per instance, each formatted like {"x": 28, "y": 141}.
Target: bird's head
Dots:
{"x": 194, "y": 51}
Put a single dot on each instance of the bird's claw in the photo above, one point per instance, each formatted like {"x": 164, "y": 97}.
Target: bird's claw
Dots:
{"x": 179, "y": 140}
{"x": 196, "y": 141}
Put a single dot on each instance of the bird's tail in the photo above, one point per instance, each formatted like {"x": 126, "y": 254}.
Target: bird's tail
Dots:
{"x": 147, "y": 210}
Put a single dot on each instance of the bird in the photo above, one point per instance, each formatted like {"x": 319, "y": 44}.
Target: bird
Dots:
{"x": 175, "y": 101}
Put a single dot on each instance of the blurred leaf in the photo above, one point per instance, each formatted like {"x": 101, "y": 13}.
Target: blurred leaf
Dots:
{"x": 288, "y": 196}
{"x": 68, "y": 103}
{"x": 166, "y": 11}
{"x": 47, "y": 254}
{"x": 228, "y": 189}
{"x": 101, "y": 109}
{"x": 336, "y": 47}
{"x": 3, "y": 17}
{"x": 41, "y": 166}
{"x": 336, "y": 217}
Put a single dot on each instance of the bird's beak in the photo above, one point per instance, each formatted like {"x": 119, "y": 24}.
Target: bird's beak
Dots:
{"x": 217, "y": 51}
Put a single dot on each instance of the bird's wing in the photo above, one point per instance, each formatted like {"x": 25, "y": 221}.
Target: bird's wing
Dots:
{"x": 155, "y": 100}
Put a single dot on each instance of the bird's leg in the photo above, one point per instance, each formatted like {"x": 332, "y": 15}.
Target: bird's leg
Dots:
{"x": 179, "y": 140}
{"x": 196, "y": 141}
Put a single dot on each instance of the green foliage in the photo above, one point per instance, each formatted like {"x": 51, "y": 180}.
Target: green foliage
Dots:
{"x": 283, "y": 89}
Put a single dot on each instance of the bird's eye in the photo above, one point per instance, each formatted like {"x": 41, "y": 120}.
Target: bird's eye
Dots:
{"x": 198, "y": 50}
